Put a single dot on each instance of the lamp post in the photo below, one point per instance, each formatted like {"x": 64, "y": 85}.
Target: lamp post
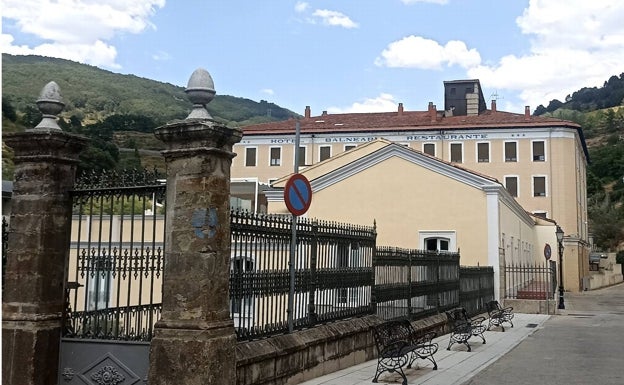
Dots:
{"x": 559, "y": 233}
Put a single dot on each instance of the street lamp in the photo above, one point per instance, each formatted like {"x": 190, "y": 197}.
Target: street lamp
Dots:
{"x": 559, "y": 233}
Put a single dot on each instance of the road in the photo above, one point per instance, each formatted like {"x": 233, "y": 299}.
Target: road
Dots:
{"x": 583, "y": 345}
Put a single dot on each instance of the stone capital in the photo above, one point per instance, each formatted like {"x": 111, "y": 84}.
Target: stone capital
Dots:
{"x": 45, "y": 146}
{"x": 198, "y": 133}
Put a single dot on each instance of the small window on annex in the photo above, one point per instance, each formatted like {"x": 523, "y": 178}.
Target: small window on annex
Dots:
{"x": 511, "y": 153}
{"x": 348, "y": 147}
{"x": 276, "y": 156}
{"x": 437, "y": 244}
{"x": 538, "y": 151}
{"x": 429, "y": 149}
{"x": 456, "y": 153}
{"x": 511, "y": 184}
{"x": 324, "y": 153}
{"x": 483, "y": 152}
{"x": 539, "y": 186}
{"x": 250, "y": 157}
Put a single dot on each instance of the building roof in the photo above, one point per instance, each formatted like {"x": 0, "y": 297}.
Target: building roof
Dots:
{"x": 431, "y": 120}
{"x": 404, "y": 121}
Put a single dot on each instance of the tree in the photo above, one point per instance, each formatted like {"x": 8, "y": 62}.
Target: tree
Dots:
{"x": 7, "y": 109}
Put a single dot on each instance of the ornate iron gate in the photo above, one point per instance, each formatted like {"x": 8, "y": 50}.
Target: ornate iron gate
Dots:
{"x": 114, "y": 278}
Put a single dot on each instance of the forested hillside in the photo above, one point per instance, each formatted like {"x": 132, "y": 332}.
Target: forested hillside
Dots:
{"x": 601, "y": 114}
{"x": 118, "y": 112}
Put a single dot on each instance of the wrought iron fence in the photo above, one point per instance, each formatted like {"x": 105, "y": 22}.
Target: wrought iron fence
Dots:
{"x": 117, "y": 259}
{"x": 531, "y": 281}
{"x": 116, "y": 256}
{"x": 476, "y": 287}
{"x": 415, "y": 283}
{"x": 333, "y": 273}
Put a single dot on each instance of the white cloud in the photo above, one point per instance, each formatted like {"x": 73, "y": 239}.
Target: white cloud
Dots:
{"x": 267, "y": 91}
{"x": 76, "y": 30}
{"x": 334, "y": 18}
{"x": 161, "y": 56}
{"x": 572, "y": 46}
{"x": 382, "y": 103}
{"x": 301, "y": 6}
{"x": 408, "y": 2}
{"x": 418, "y": 52}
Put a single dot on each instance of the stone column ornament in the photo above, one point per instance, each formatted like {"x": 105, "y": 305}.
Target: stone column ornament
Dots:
{"x": 194, "y": 341}
{"x": 45, "y": 160}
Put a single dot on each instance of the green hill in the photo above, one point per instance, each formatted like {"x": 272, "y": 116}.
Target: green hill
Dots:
{"x": 91, "y": 94}
{"x": 118, "y": 112}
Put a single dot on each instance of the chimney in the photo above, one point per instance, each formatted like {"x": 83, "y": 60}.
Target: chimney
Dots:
{"x": 324, "y": 113}
{"x": 493, "y": 105}
{"x": 527, "y": 112}
{"x": 400, "y": 109}
{"x": 307, "y": 112}
{"x": 432, "y": 112}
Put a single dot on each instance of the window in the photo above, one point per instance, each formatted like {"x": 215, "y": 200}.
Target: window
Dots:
{"x": 511, "y": 155}
{"x": 302, "y": 156}
{"x": 539, "y": 186}
{"x": 541, "y": 214}
{"x": 442, "y": 241}
{"x": 348, "y": 147}
{"x": 538, "y": 151}
{"x": 453, "y": 91}
{"x": 241, "y": 303}
{"x": 276, "y": 156}
{"x": 483, "y": 152}
{"x": 456, "y": 153}
{"x": 324, "y": 153}
{"x": 511, "y": 184}
{"x": 437, "y": 244}
{"x": 349, "y": 257}
{"x": 429, "y": 148}
{"x": 250, "y": 157}
{"x": 99, "y": 283}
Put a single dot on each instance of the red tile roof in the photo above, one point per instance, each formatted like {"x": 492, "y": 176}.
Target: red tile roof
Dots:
{"x": 405, "y": 121}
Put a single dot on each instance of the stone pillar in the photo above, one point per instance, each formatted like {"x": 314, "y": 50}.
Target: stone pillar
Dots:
{"x": 38, "y": 244}
{"x": 194, "y": 341}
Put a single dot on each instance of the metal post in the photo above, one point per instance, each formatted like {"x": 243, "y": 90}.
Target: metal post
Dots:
{"x": 561, "y": 303}
{"x": 293, "y": 242}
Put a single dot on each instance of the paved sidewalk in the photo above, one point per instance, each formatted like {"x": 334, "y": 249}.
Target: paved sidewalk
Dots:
{"x": 454, "y": 367}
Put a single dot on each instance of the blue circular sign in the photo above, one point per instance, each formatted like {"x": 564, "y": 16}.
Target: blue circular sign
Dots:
{"x": 547, "y": 251}
{"x": 298, "y": 194}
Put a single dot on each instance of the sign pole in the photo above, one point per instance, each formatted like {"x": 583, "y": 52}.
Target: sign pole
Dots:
{"x": 293, "y": 241}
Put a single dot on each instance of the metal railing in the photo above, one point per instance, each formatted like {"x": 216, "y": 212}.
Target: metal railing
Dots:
{"x": 116, "y": 259}
{"x": 531, "y": 281}
{"x": 415, "y": 283}
{"x": 476, "y": 287}
{"x": 333, "y": 273}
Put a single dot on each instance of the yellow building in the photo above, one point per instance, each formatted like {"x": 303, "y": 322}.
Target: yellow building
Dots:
{"x": 541, "y": 161}
{"x": 420, "y": 201}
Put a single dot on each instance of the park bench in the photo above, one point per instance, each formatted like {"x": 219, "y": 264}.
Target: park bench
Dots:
{"x": 399, "y": 345}
{"x": 464, "y": 328}
{"x": 498, "y": 315}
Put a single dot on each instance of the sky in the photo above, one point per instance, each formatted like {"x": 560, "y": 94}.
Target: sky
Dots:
{"x": 338, "y": 56}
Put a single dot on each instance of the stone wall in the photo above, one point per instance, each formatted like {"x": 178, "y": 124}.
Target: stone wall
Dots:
{"x": 297, "y": 357}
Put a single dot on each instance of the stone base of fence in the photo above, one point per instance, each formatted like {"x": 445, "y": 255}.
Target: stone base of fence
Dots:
{"x": 307, "y": 354}
{"x": 532, "y": 306}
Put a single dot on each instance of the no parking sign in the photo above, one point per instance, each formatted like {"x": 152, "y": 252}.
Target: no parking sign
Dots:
{"x": 298, "y": 194}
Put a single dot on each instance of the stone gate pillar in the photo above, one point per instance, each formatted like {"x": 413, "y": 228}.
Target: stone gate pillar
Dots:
{"x": 194, "y": 341}
{"x": 38, "y": 243}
